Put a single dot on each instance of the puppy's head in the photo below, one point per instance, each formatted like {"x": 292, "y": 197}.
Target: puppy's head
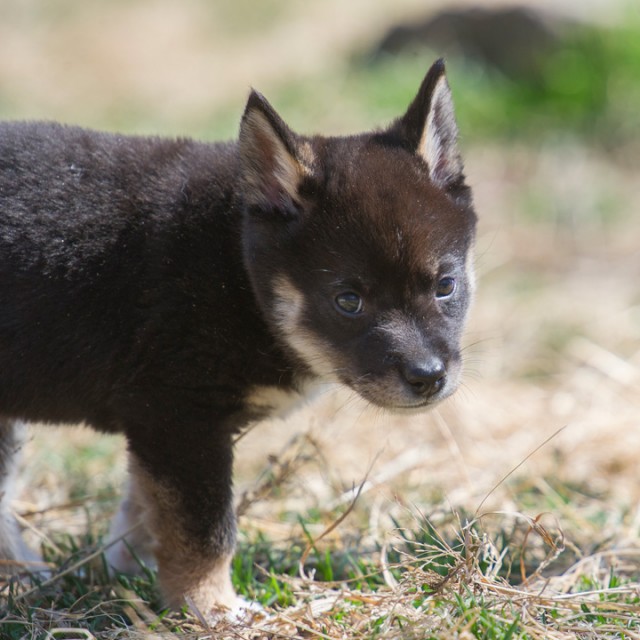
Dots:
{"x": 358, "y": 248}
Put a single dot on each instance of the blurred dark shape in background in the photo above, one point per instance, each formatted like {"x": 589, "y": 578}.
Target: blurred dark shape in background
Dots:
{"x": 529, "y": 73}
{"x": 514, "y": 40}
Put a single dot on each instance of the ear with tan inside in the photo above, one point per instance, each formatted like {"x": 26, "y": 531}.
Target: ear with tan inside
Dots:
{"x": 429, "y": 128}
{"x": 271, "y": 159}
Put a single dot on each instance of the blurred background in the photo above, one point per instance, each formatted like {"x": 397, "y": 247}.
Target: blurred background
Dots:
{"x": 548, "y": 102}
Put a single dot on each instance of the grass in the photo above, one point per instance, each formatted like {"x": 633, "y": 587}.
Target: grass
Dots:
{"x": 425, "y": 586}
{"x": 436, "y": 545}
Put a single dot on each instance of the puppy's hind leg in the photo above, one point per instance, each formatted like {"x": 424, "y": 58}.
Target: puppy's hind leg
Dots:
{"x": 133, "y": 546}
{"x": 15, "y": 555}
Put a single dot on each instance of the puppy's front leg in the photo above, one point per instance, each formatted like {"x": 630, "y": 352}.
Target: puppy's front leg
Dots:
{"x": 185, "y": 486}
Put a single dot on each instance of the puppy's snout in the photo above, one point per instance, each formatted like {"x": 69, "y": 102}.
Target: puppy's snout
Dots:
{"x": 425, "y": 378}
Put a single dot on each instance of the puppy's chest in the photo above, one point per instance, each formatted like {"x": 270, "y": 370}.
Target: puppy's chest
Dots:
{"x": 267, "y": 401}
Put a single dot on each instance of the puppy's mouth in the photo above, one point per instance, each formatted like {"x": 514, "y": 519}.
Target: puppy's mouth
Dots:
{"x": 402, "y": 405}
{"x": 409, "y": 390}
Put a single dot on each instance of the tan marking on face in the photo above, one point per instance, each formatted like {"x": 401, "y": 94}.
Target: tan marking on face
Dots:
{"x": 288, "y": 308}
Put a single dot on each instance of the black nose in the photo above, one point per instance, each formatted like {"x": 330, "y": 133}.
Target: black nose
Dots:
{"x": 425, "y": 378}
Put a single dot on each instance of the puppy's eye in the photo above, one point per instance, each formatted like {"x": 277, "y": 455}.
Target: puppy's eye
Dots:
{"x": 349, "y": 302}
{"x": 446, "y": 287}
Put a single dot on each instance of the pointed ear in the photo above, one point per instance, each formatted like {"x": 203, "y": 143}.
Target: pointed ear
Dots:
{"x": 271, "y": 162}
{"x": 429, "y": 128}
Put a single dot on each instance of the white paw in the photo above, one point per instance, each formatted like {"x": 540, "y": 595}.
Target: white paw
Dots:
{"x": 246, "y": 612}
{"x": 242, "y": 612}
